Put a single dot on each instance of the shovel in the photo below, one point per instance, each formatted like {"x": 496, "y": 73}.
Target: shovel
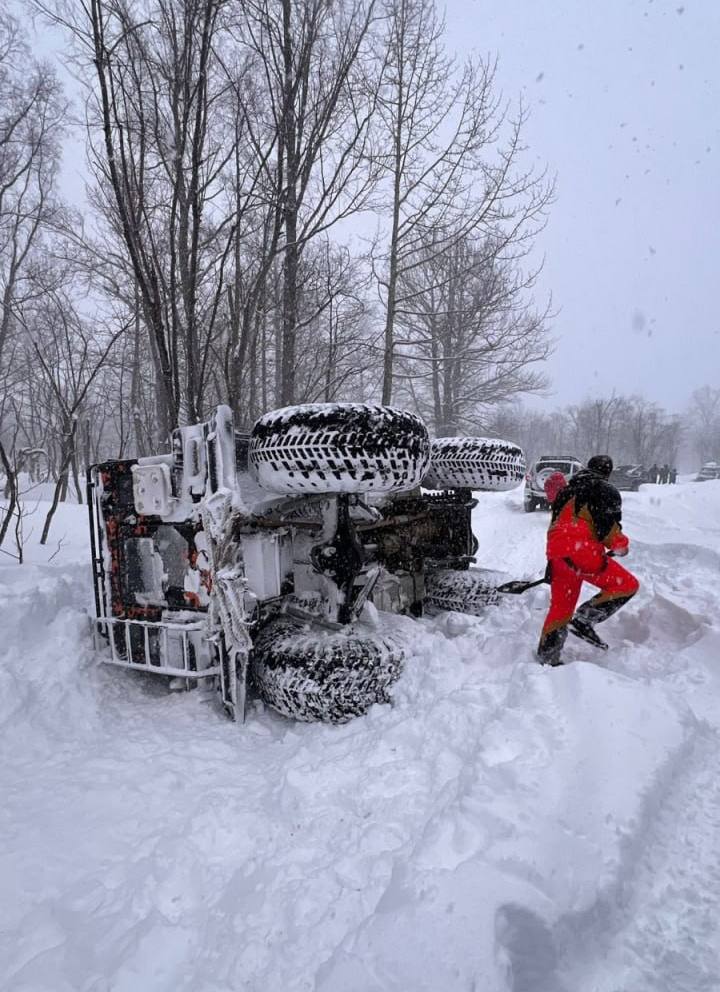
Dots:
{"x": 518, "y": 586}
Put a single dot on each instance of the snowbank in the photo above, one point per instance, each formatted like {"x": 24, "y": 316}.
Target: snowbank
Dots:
{"x": 501, "y": 827}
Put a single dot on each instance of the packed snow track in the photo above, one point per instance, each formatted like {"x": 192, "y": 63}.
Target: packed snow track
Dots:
{"x": 501, "y": 827}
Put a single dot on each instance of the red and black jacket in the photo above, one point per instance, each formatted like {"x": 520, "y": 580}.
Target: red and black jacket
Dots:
{"x": 586, "y": 522}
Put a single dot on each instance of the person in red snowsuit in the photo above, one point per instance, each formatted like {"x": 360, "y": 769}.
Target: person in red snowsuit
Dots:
{"x": 586, "y": 524}
{"x": 553, "y": 486}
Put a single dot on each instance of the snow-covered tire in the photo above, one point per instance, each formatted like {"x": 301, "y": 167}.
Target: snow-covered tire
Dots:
{"x": 312, "y": 674}
{"x": 464, "y": 592}
{"x": 474, "y": 463}
{"x": 339, "y": 448}
{"x": 542, "y": 477}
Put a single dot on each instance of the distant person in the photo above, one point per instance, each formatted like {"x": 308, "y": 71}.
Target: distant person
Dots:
{"x": 673, "y": 476}
{"x": 653, "y": 473}
{"x": 585, "y": 526}
{"x": 554, "y": 485}
{"x": 665, "y": 474}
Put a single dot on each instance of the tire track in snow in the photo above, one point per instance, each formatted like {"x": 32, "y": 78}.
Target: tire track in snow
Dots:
{"x": 665, "y": 936}
{"x": 657, "y": 929}
{"x": 664, "y": 932}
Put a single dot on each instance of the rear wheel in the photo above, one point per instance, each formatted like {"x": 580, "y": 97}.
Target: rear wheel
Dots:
{"x": 529, "y": 505}
{"x": 311, "y": 674}
{"x": 478, "y": 463}
{"x": 339, "y": 448}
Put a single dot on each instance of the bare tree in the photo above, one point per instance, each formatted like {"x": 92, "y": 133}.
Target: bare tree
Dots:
{"x": 705, "y": 421}
{"x": 452, "y": 169}
{"x": 594, "y": 424}
{"x": 537, "y": 433}
{"x": 647, "y": 434}
{"x": 154, "y": 84}
{"x": 631, "y": 429}
{"x": 333, "y": 340}
{"x": 69, "y": 352}
{"x": 471, "y": 337}
{"x": 223, "y": 138}
{"x": 310, "y": 52}
{"x": 10, "y": 490}
{"x": 32, "y": 118}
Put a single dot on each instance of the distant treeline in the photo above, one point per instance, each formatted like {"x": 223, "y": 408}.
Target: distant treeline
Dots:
{"x": 631, "y": 429}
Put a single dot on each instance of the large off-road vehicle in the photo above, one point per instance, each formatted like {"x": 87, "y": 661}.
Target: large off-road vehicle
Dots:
{"x": 268, "y": 560}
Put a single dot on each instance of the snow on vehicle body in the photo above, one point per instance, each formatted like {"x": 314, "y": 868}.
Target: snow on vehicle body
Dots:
{"x": 629, "y": 477}
{"x": 538, "y": 474}
{"x": 197, "y": 581}
{"x": 708, "y": 472}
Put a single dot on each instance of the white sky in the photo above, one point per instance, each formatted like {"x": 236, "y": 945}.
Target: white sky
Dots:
{"x": 625, "y": 101}
{"x": 625, "y": 110}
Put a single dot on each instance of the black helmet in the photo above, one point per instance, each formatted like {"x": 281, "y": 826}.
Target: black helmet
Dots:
{"x": 601, "y": 465}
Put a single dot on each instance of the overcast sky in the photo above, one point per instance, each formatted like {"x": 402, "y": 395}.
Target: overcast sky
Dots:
{"x": 625, "y": 101}
{"x": 625, "y": 111}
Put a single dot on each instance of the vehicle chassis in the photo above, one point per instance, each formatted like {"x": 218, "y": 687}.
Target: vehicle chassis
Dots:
{"x": 183, "y": 592}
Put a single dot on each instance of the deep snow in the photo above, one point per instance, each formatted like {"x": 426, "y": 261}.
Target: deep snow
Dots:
{"x": 502, "y": 827}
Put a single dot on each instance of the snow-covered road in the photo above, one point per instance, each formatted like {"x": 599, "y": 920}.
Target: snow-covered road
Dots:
{"x": 501, "y": 827}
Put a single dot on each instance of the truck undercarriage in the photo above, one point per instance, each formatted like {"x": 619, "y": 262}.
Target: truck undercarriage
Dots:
{"x": 251, "y": 561}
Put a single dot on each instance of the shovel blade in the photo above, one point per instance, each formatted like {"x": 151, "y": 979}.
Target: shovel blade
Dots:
{"x": 519, "y": 586}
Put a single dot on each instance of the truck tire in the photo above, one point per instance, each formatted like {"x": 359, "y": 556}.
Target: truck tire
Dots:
{"x": 312, "y": 674}
{"x": 474, "y": 463}
{"x": 542, "y": 477}
{"x": 463, "y": 591}
{"x": 339, "y": 448}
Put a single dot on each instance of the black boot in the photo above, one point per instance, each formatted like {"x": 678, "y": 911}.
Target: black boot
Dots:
{"x": 551, "y": 645}
{"x": 596, "y": 610}
{"x": 585, "y": 631}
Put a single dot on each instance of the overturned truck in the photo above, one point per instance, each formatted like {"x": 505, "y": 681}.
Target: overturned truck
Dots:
{"x": 257, "y": 562}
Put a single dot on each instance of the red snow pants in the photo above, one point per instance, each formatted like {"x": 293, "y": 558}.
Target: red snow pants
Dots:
{"x": 614, "y": 581}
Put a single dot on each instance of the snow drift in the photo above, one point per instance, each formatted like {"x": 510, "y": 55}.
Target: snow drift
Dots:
{"x": 501, "y": 827}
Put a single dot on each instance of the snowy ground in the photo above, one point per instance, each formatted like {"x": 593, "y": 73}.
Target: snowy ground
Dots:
{"x": 502, "y": 827}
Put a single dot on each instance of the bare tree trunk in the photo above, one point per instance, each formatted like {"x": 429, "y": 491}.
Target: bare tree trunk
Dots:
{"x": 53, "y": 507}
{"x": 389, "y": 349}
{"x": 263, "y": 364}
{"x": 435, "y": 370}
{"x": 136, "y": 385}
{"x": 278, "y": 358}
{"x": 260, "y": 319}
{"x": 76, "y": 477}
{"x": 62, "y": 483}
{"x": 10, "y": 491}
{"x": 290, "y": 218}
{"x": 87, "y": 446}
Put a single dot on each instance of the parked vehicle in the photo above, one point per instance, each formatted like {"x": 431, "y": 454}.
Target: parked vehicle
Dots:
{"x": 540, "y": 472}
{"x": 199, "y": 580}
{"x": 629, "y": 477}
{"x": 710, "y": 470}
